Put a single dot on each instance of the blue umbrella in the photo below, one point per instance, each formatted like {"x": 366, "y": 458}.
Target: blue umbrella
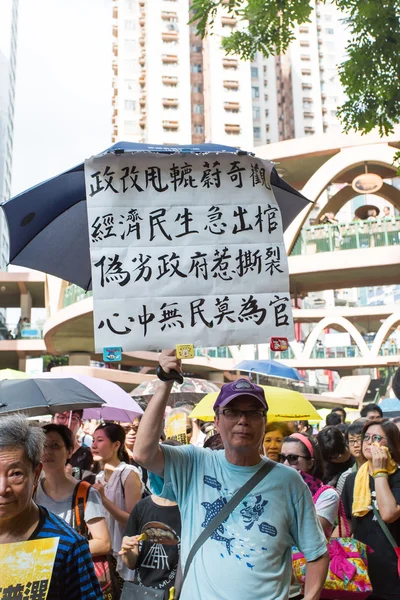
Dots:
{"x": 48, "y": 224}
{"x": 390, "y": 407}
{"x": 271, "y": 368}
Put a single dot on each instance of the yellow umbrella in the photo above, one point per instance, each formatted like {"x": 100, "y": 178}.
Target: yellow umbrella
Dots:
{"x": 12, "y": 374}
{"x": 284, "y": 405}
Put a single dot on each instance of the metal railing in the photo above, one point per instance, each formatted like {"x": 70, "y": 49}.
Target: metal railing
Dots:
{"x": 355, "y": 235}
{"x": 73, "y": 293}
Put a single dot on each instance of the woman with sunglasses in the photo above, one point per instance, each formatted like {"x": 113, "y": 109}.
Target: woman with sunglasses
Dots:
{"x": 302, "y": 453}
{"x": 377, "y": 485}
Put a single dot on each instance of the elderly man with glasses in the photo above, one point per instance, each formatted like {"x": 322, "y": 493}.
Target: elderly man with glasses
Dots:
{"x": 249, "y": 554}
{"x": 21, "y": 449}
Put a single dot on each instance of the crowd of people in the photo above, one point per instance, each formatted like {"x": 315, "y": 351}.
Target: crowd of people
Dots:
{"x": 138, "y": 515}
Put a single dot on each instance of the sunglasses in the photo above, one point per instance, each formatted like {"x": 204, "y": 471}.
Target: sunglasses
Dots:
{"x": 292, "y": 459}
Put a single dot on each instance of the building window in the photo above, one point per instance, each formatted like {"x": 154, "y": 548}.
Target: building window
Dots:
{"x": 197, "y": 88}
{"x": 130, "y": 45}
{"x": 130, "y": 105}
{"x": 329, "y": 30}
{"x": 267, "y": 114}
{"x": 255, "y": 92}
{"x": 198, "y": 129}
{"x": 195, "y": 48}
{"x": 256, "y": 113}
{"x": 129, "y": 24}
{"x": 267, "y": 128}
{"x": 257, "y": 133}
{"x": 254, "y": 72}
{"x": 198, "y": 109}
{"x": 197, "y": 68}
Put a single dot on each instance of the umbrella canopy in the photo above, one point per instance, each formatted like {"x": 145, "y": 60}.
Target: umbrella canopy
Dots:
{"x": 36, "y": 397}
{"x": 271, "y": 368}
{"x": 48, "y": 224}
{"x": 12, "y": 374}
{"x": 192, "y": 390}
{"x": 390, "y": 407}
{"x": 283, "y": 405}
{"x": 117, "y": 405}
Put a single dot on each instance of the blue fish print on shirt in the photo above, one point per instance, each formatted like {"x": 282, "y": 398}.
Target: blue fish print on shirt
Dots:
{"x": 212, "y": 509}
{"x": 253, "y": 510}
{"x": 212, "y": 482}
{"x": 250, "y": 566}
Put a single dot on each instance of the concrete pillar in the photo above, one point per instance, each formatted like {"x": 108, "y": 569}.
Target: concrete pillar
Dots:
{"x": 26, "y": 306}
{"x": 217, "y": 376}
{"x": 22, "y": 364}
{"x": 79, "y": 359}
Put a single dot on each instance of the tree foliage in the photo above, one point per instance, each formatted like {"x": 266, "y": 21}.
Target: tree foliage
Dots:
{"x": 370, "y": 75}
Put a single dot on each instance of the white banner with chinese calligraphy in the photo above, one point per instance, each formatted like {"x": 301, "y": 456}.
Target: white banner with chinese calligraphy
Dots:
{"x": 185, "y": 249}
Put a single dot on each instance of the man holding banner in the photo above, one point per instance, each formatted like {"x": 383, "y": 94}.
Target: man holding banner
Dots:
{"x": 248, "y": 553}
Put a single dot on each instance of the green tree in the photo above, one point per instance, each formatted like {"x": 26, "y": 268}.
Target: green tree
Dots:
{"x": 370, "y": 74}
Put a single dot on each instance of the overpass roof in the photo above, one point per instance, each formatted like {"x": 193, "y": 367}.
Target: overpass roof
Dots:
{"x": 13, "y": 284}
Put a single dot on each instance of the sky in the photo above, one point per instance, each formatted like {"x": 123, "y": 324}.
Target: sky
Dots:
{"x": 63, "y": 90}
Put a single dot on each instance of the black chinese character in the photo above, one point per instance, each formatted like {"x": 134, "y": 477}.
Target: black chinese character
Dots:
{"x": 12, "y": 592}
{"x": 235, "y": 173}
{"x": 186, "y": 218}
{"x": 223, "y": 310}
{"x": 251, "y": 312}
{"x": 145, "y": 319}
{"x": 280, "y": 307}
{"x": 182, "y": 176}
{"x": 112, "y": 328}
{"x": 271, "y": 213}
{"x": 169, "y": 265}
{"x": 36, "y": 590}
{"x": 248, "y": 261}
{"x": 103, "y": 228}
{"x": 273, "y": 260}
{"x": 199, "y": 265}
{"x": 144, "y": 270}
{"x": 114, "y": 272}
{"x": 211, "y": 178}
{"x": 196, "y": 309}
{"x": 241, "y": 212}
{"x": 156, "y": 220}
{"x": 171, "y": 317}
{"x": 97, "y": 186}
{"x": 108, "y": 178}
{"x": 132, "y": 220}
{"x": 221, "y": 264}
{"x": 153, "y": 177}
{"x": 214, "y": 215}
{"x": 259, "y": 176}
{"x": 133, "y": 175}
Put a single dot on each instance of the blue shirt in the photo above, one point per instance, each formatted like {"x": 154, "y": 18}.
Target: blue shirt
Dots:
{"x": 73, "y": 575}
{"x": 249, "y": 555}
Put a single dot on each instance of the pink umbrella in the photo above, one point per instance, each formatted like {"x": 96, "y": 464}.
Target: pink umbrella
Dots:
{"x": 118, "y": 405}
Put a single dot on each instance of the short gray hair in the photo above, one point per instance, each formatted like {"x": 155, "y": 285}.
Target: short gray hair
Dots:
{"x": 17, "y": 431}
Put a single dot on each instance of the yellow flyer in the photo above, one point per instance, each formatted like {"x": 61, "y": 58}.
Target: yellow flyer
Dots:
{"x": 176, "y": 428}
{"x": 26, "y": 568}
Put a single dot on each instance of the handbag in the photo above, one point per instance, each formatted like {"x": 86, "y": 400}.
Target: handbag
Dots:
{"x": 347, "y": 577}
{"x": 105, "y": 566}
{"x": 218, "y": 520}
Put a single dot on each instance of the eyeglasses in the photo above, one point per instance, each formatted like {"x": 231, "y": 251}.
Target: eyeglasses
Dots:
{"x": 64, "y": 418}
{"x": 355, "y": 441}
{"x": 129, "y": 428}
{"x": 233, "y": 414}
{"x": 53, "y": 446}
{"x": 292, "y": 459}
{"x": 373, "y": 438}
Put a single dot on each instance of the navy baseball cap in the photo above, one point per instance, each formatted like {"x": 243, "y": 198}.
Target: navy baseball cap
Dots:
{"x": 241, "y": 387}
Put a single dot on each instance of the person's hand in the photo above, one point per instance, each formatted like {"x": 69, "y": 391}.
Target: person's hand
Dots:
{"x": 169, "y": 362}
{"x": 129, "y": 543}
{"x": 100, "y": 488}
{"x": 380, "y": 457}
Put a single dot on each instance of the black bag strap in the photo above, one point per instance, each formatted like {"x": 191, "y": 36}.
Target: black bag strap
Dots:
{"x": 384, "y": 527}
{"x": 223, "y": 514}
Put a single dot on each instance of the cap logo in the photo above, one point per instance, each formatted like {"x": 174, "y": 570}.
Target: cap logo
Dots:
{"x": 243, "y": 385}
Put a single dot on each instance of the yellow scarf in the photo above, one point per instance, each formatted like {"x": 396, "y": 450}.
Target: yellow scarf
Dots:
{"x": 362, "y": 501}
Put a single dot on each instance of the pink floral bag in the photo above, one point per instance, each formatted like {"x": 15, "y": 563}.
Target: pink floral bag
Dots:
{"x": 347, "y": 577}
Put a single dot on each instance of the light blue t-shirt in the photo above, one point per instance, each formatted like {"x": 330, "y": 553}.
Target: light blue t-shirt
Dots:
{"x": 249, "y": 555}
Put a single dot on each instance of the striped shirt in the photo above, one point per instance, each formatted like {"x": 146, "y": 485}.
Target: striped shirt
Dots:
{"x": 73, "y": 575}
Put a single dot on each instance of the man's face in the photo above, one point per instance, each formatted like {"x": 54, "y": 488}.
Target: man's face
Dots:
{"x": 17, "y": 481}
{"x": 341, "y": 415}
{"x": 241, "y": 431}
{"x": 72, "y": 421}
{"x": 373, "y": 415}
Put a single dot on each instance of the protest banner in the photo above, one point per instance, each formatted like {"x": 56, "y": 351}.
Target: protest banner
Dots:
{"x": 185, "y": 248}
{"x": 26, "y": 568}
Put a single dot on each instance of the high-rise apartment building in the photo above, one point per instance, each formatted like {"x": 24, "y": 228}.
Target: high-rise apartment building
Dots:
{"x": 8, "y": 52}
{"x": 172, "y": 87}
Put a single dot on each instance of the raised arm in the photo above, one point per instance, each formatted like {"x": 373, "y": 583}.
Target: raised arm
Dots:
{"x": 147, "y": 451}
